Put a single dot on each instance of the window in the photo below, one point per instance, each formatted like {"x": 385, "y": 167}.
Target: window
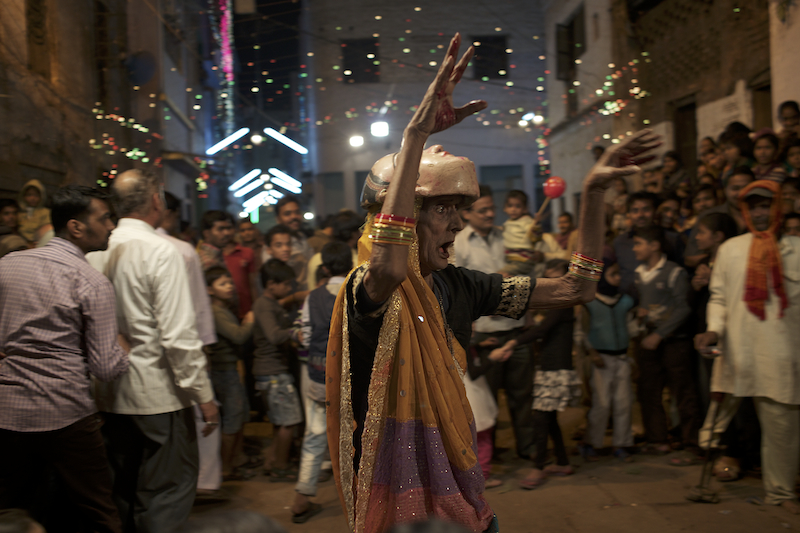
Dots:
{"x": 570, "y": 45}
{"x": 173, "y": 31}
{"x": 360, "y": 61}
{"x": 38, "y": 46}
{"x": 491, "y": 59}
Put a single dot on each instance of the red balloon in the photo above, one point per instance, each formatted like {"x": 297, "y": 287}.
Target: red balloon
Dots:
{"x": 554, "y": 187}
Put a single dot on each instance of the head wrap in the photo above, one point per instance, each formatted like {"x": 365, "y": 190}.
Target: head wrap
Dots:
{"x": 764, "y": 262}
{"x": 440, "y": 174}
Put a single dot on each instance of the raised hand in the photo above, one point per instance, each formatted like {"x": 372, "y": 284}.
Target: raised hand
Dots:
{"x": 623, "y": 159}
{"x": 436, "y": 112}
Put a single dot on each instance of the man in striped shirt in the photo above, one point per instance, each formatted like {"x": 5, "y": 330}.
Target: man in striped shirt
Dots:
{"x": 57, "y": 326}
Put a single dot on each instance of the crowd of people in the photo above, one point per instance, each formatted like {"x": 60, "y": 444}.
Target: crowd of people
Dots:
{"x": 132, "y": 357}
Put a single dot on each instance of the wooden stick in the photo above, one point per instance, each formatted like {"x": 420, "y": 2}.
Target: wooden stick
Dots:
{"x": 541, "y": 209}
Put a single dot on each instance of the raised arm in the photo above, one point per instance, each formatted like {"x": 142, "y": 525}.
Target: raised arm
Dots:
{"x": 618, "y": 161}
{"x": 388, "y": 263}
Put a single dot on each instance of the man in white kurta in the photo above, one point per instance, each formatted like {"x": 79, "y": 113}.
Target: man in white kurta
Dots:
{"x": 760, "y": 359}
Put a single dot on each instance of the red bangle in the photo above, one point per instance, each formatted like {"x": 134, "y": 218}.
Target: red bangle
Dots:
{"x": 388, "y": 219}
{"x": 587, "y": 259}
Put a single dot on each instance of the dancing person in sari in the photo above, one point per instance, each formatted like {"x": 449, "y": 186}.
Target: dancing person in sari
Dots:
{"x": 400, "y": 429}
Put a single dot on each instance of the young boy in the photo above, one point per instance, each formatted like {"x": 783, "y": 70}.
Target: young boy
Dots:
{"x": 273, "y": 335}
{"x": 337, "y": 261}
{"x": 606, "y": 342}
{"x": 665, "y": 354}
{"x": 516, "y": 237}
{"x": 279, "y": 245}
{"x": 224, "y": 357}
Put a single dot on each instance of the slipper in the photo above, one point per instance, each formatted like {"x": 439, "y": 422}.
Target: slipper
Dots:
{"x": 282, "y": 475}
{"x": 685, "y": 460}
{"x": 492, "y": 482}
{"x": 655, "y": 449}
{"x": 623, "y": 455}
{"x": 559, "y": 470}
{"x": 302, "y": 518}
{"x": 588, "y": 452}
{"x": 727, "y": 473}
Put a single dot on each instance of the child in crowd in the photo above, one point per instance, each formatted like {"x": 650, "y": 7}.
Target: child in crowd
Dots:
{"x": 34, "y": 218}
{"x": 766, "y": 152}
{"x": 516, "y": 236}
{"x": 666, "y": 349}
{"x": 224, "y": 357}
{"x": 790, "y": 194}
{"x": 668, "y": 212}
{"x": 609, "y": 316}
{"x": 278, "y": 241}
{"x": 556, "y": 384}
{"x": 619, "y": 221}
{"x": 791, "y": 224}
{"x": 315, "y": 322}
{"x": 712, "y": 230}
{"x": 273, "y": 359}
{"x": 484, "y": 405}
{"x": 791, "y": 155}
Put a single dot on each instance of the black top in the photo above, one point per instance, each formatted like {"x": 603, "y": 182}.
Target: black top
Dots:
{"x": 555, "y": 336}
{"x": 465, "y": 295}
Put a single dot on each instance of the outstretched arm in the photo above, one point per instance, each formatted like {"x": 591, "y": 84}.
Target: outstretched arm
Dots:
{"x": 619, "y": 161}
{"x": 436, "y": 113}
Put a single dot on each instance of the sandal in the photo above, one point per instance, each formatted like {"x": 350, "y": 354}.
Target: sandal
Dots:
{"x": 282, "y": 475}
{"x": 492, "y": 482}
{"x": 686, "y": 459}
{"x": 531, "y": 483}
{"x": 727, "y": 473}
{"x": 588, "y": 452}
{"x": 559, "y": 470}
{"x": 623, "y": 455}
{"x": 727, "y": 469}
{"x": 302, "y": 518}
{"x": 656, "y": 449}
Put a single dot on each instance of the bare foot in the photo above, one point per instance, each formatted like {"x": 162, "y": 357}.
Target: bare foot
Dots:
{"x": 493, "y": 482}
{"x": 533, "y": 480}
{"x": 791, "y": 506}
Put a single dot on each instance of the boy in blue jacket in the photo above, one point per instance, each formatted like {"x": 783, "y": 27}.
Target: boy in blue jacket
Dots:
{"x": 609, "y": 315}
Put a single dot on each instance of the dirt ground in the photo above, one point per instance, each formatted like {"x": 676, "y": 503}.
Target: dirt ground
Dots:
{"x": 647, "y": 495}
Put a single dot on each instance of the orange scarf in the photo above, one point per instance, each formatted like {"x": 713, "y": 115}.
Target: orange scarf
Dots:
{"x": 764, "y": 262}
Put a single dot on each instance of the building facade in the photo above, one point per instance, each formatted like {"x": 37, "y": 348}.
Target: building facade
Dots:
{"x": 369, "y": 64}
{"x": 91, "y": 88}
{"x": 684, "y": 68}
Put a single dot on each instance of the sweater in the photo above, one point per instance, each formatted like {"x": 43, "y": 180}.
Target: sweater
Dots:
{"x": 271, "y": 333}
{"x": 224, "y": 353}
{"x": 663, "y": 291}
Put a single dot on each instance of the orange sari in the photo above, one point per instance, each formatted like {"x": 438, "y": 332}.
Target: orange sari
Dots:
{"x": 418, "y": 447}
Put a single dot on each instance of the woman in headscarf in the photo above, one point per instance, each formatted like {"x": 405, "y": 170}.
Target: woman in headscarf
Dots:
{"x": 400, "y": 429}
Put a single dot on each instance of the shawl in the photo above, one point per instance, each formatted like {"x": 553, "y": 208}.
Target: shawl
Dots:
{"x": 419, "y": 454}
{"x": 764, "y": 262}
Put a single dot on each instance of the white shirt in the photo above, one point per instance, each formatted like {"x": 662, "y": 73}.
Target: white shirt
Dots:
{"x": 197, "y": 286}
{"x": 485, "y": 255}
{"x": 759, "y": 357}
{"x": 154, "y": 311}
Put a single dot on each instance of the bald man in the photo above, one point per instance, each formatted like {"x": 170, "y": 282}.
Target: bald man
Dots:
{"x": 150, "y": 430}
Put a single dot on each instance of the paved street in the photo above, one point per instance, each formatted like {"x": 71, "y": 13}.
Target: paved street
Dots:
{"x": 647, "y": 495}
